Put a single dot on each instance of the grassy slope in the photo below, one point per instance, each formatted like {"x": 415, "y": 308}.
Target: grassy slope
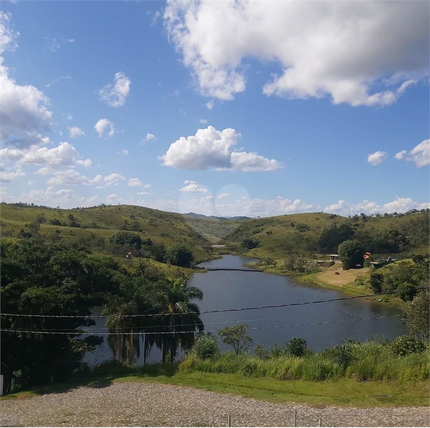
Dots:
{"x": 161, "y": 227}
{"x": 343, "y": 392}
{"x": 278, "y": 237}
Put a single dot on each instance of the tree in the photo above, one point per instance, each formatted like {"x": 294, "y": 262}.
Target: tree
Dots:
{"x": 351, "y": 253}
{"x": 127, "y": 238}
{"x": 42, "y": 277}
{"x": 180, "y": 316}
{"x": 249, "y": 243}
{"x": 331, "y": 238}
{"x": 236, "y": 337}
{"x": 180, "y": 255}
{"x": 296, "y": 347}
{"x": 417, "y": 315}
{"x": 376, "y": 280}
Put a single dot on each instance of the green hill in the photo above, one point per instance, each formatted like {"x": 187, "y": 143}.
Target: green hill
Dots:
{"x": 320, "y": 233}
{"x": 310, "y": 234}
{"x": 92, "y": 227}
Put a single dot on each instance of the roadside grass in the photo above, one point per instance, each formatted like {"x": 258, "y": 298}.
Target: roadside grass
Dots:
{"x": 341, "y": 392}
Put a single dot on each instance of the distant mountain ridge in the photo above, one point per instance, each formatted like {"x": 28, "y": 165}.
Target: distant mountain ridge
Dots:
{"x": 191, "y": 214}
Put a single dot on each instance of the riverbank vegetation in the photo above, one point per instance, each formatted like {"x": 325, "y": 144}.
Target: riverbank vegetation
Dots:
{"x": 48, "y": 290}
{"x": 404, "y": 359}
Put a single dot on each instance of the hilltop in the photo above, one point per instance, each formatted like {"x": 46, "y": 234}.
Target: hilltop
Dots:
{"x": 309, "y": 234}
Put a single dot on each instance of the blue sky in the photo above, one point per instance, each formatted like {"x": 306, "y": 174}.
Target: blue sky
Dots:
{"x": 202, "y": 99}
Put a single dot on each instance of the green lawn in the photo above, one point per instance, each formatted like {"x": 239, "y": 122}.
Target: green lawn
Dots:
{"x": 343, "y": 392}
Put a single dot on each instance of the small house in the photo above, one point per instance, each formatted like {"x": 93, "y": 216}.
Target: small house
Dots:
{"x": 334, "y": 257}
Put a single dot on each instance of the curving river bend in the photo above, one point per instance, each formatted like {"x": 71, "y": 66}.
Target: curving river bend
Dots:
{"x": 322, "y": 325}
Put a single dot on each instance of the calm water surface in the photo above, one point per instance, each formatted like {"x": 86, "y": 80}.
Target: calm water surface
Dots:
{"x": 235, "y": 289}
{"x": 226, "y": 290}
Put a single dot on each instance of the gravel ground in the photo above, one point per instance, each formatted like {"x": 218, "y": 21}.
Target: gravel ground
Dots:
{"x": 146, "y": 404}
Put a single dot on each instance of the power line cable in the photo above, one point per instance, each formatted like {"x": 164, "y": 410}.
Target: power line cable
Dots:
{"x": 251, "y": 308}
{"x": 190, "y": 332}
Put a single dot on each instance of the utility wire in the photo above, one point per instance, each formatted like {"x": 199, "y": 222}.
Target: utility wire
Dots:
{"x": 251, "y": 308}
{"x": 188, "y": 332}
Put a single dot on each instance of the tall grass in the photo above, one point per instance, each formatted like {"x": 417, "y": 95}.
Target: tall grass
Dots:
{"x": 364, "y": 362}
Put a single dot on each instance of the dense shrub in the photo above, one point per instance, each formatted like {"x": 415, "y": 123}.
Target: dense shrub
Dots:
{"x": 205, "y": 347}
{"x": 405, "y": 345}
{"x": 296, "y": 347}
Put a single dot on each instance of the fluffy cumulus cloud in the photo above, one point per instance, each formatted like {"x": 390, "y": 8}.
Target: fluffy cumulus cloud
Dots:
{"x": 115, "y": 94}
{"x": 24, "y": 109}
{"x": 8, "y": 175}
{"x": 400, "y": 155}
{"x": 109, "y": 180}
{"x": 399, "y": 205}
{"x": 76, "y": 132}
{"x": 192, "y": 187}
{"x": 278, "y": 206}
{"x": 420, "y": 154}
{"x": 210, "y": 148}
{"x": 135, "y": 182}
{"x": 376, "y": 158}
{"x": 105, "y": 127}
{"x": 67, "y": 177}
{"x": 52, "y": 197}
{"x": 61, "y": 156}
{"x": 349, "y": 51}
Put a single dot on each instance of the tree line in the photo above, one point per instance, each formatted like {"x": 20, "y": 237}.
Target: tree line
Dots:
{"x": 39, "y": 276}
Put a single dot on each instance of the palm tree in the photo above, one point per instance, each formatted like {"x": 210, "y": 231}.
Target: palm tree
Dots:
{"x": 181, "y": 317}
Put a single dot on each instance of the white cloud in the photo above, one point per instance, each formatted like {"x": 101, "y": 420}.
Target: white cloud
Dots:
{"x": 23, "y": 109}
{"x": 210, "y": 105}
{"x": 31, "y": 183}
{"x": 57, "y": 80}
{"x": 105, "y": 125}
{"x": 420, "y": 154}
{"x": 76, "y": 132}
{"x": 7, "y": 35}
{"x": 252, "y": 162}
{"x": 149, "y": 137}
{"x": 203, "y": 121}
{"x": 399, "y": 205}
{"x": 68, "y": 177}
{"x": 63, "y": 155}
{"x": 8, "y": 175}
{"x": 341, "y": 50}
{"x": 223, "y": 195}
{"x": 124, "y": 151}
{"x": 192, "y": 187}
{"x": 210, "y": 148}
{"x": 135, "y": 182}
{"x": 109, "y": 180}
{"x": 401, "y": 155}
{"x": 65, "y": 198}
{"x": 115, "y": 94}
{"x": 376, "y": 158}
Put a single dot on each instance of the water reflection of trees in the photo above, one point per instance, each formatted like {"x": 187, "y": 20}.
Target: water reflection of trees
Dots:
{"x": 168, "y": 318}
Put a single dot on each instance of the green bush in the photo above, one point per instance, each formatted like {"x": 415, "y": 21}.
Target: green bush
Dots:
{"x": 405, "y": 345}
{"x": 296, "y": 347}
{"x": 206, "y": 347}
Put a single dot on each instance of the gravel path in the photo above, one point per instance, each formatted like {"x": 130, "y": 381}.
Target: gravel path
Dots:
{"x": 146, "y": 404}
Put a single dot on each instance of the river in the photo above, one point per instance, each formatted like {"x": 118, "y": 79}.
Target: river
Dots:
{"x": 321, "y": 325}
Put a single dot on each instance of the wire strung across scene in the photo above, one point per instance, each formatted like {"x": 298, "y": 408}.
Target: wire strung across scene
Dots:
{"x": 81, "y": 332}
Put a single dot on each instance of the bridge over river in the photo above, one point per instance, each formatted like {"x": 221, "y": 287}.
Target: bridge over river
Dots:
{"x": 232, "y": 269}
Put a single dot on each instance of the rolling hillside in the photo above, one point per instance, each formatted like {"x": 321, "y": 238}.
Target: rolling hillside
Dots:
{"x": 311, "y": 234}
{"x": 93, "y": 226}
